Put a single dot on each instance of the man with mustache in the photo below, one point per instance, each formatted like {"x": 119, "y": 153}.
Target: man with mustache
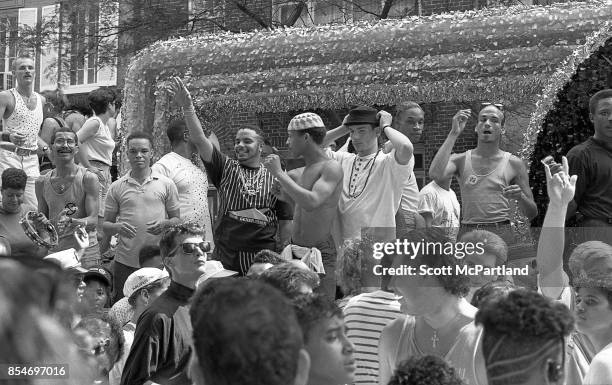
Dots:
{"x": 68, "y": 196}
{"x": 21, "y": 110}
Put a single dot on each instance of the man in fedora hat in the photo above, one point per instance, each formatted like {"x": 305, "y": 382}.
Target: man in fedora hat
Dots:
{"x": 315, "y": 190}
{"x": 373, "y": 180}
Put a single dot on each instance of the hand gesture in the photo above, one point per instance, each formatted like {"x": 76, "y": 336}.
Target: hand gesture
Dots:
{"x": 126, "y": 230}
{"x": 513, "y": 191}
{"x": 179, "y": 92}
{"x": 82, "y": 238}
{"x": 345, "y": 119}
{"x": 155, "y": 228}
{"x": 273, "y": 164}
{"x": 560, "y": 186}
{"x": 17, "y": 139}
{"x": 459, "y": 121}
{"x": 384, "y": 118}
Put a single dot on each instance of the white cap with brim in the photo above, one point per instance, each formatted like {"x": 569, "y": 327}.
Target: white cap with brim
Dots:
{"x": 67, "y": 260}
{"x": 142, "y": 278}
{"x": 214, "y": 269}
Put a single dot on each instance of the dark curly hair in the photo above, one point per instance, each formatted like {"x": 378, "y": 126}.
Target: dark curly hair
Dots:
{"x": 311, "y": 309}
{"x": 248, "y": 334}
{"x": 435, "y": 242}
{"x": 289, "y": 278}
{"x": 427, "y": 370}
{"x": 14, "y": 178}
{"x": 491, "y": 291}
{"x": 268, "y": 256}
{"x": 519, "y": 328}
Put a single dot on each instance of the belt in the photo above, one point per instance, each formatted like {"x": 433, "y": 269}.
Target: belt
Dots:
{"x": 485, "y": 225}
{"x": 24, "y": 151}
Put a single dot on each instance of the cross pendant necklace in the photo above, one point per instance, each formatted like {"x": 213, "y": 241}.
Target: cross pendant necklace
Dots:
{"x": 434, "y": 340}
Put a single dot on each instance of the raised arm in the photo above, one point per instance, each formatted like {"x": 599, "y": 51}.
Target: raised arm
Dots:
{"x": 336, "y": 133}
{"x": 196, "y": 133}
{"x": 549, "y": 257}
{"x": 323, "y": 188}
{"x": 443, "y": 166}
{"x": 400, "y": 142}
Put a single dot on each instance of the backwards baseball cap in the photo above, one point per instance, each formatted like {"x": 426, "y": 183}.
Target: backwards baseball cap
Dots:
{"x": 362, "y": 115}
{"x": 591, "y": 264}
{"x": 214, "y": 269}
{"x": 99, "y": 272}
{"x": 67, "y": 260}
{"x": 142, "y": 278}
{"x": 305, "y": 121}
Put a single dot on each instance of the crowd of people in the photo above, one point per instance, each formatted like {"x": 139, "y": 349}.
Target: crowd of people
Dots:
{"x": 125, "y": 280}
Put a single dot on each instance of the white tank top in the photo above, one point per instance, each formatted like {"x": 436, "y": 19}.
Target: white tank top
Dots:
{"x": 101, "y": 145}
{"x": 25, "y": 121}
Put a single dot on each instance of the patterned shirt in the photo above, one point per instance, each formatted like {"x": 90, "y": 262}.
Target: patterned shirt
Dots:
{"x": 25, "y": 121}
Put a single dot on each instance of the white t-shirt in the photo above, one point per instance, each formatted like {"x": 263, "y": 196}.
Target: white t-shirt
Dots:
{"x": 371, "y": 192}
{"x": 442, "y": 205}
{"x": 192, "y": 185}
{"x": 410, "y": 190}
{"x": 600, "y": 371}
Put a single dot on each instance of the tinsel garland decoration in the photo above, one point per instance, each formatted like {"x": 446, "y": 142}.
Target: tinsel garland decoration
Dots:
{"x": 451, "y": 57}
{"x": 557, "y": 81}
{"x": 462, "y": 49}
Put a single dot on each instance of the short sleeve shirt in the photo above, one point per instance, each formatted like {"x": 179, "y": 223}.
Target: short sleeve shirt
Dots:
{"x": 371, "y": 191}
{"x": 140, "y": 205}
{"x": 246, "y": 205}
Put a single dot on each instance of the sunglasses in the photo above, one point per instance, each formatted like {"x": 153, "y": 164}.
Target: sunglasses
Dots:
{"x": 190, "y": 247}
{"x": 498, "y": 105}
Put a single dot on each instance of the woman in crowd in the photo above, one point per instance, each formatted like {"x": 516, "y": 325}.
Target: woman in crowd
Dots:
{"x": 96, "y": 145}
{"x": 590, "y": 295}
{"x": 438, "y": 320}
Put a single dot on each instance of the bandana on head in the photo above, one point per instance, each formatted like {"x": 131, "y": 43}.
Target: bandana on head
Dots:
{"x": 305, "y": 121}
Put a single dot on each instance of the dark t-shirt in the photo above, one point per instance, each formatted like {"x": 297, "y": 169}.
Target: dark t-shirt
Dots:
{"x": 592, "y": 162}
{"x": 163, "y": 341}
{"x": 247, "y": 220}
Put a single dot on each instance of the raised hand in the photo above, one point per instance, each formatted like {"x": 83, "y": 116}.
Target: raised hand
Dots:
{"x": 81, "y": 236}
{"x": 273, "y": 164}
{"x": 560, "y": 186}
{"x": 459, "y": 121}
{"x": 384, "y": 118}
{"x": 155, "y": 228}
{"x": 177, "y": 90}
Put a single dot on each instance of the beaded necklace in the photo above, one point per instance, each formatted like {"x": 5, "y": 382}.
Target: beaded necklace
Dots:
{"x": 250, "y": 185}
{"x": 353, "y": 194}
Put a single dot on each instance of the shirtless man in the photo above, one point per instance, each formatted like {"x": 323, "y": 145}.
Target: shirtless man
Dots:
{"x": 21, "y": 110}
{"x": 488, "y": 176}
{"x": 315, "y": 190}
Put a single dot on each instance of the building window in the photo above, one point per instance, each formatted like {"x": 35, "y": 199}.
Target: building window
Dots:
{"x": 8, "y": 42}
{"x": 82, "y": 24}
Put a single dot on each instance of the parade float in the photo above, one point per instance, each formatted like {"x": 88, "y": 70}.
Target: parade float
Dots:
{"x": 505, "y": 55}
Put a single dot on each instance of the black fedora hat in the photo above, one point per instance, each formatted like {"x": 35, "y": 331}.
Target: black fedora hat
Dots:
{"x": 362, "y": 115}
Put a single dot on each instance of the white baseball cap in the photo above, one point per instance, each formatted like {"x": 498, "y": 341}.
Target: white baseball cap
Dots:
{"x": 141, "y": 278}
{"x": 214, "y": 269}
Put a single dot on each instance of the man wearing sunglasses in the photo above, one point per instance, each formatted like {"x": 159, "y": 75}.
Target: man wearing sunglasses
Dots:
{"x": 162, "y": 344}
{"x": 68, "y": 196}
{"x": 488, "y": 176}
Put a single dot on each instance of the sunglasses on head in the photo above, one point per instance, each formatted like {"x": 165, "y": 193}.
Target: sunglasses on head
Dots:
{"x": 498, "y": 105}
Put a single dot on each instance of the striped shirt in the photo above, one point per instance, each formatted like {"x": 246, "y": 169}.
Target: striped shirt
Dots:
{"x": 365, "y": 317}
{"x": 248, "y": 211}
